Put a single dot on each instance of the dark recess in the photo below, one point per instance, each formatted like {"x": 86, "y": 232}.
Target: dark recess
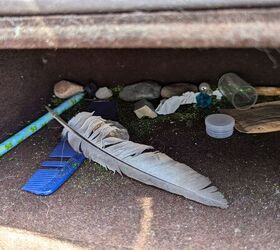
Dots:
{"x": 27, "y": 76}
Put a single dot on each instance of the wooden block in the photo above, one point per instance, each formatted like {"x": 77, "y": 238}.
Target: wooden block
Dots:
{"x": 261, "y": 118}
{"x": 268, "y": 91}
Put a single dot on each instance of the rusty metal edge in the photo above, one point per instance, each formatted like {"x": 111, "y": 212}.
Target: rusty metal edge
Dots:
{"x": 188, "y": 29}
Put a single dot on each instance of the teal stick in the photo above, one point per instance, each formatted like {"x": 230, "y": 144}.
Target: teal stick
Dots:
{"x": 20, "y": 136}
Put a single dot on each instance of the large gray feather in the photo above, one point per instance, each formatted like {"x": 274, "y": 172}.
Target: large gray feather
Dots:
{"x": 107, "y": 143}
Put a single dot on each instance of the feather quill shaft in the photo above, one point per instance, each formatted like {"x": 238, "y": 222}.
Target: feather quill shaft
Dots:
{"x": 106, "y": 144}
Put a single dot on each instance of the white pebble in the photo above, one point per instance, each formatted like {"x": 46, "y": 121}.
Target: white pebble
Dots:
{"x": 104, "y": 93}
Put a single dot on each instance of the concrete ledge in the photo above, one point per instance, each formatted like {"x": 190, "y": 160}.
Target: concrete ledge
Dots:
{"x": 189, "y": 29}
{"x": 52, "y": 7}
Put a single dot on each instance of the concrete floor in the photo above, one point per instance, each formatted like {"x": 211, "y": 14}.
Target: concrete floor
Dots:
{"x": 96, "y": 209}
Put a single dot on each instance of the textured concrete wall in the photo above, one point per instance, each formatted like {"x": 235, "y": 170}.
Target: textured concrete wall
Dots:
{"x": 27, "y": 76}
{"x": 29, "y": 7}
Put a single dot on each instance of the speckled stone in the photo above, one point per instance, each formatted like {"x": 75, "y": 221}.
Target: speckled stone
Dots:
{"x": 141, "y": 90}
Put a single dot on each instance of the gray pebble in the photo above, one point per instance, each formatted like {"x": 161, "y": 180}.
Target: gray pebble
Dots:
{"x": 104, "y": 93}
{"x": 177, "y": 89}
{"x": 141, "y": 90}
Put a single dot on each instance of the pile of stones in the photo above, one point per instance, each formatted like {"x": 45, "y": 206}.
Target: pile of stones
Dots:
{"x": 143, "y": 92}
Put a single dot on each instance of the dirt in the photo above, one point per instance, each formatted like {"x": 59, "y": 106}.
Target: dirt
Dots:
{"x": 97, "y": 209}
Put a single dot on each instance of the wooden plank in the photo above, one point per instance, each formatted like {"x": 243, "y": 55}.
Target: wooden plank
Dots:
{"x": 262, "y": 118}
{"x": 268, "y": 91}
{"x": 189, "y": 29}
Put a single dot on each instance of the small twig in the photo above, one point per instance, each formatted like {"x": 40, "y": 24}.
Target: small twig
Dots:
{"x": 48, "y": 207}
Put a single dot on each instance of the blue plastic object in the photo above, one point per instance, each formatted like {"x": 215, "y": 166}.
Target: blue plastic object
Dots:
{"x": 203, "y": 100}
{"x": 54, "y": 173}
{"x": 20, "y": 136}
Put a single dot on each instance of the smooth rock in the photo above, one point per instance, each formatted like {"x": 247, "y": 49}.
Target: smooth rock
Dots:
{"x": 144, "y": 108}
{"x": 65, "y": 89}
{"x": 104, "y": 93}
{"x": 141, "y": 90}
{"x": 177, "y": 89}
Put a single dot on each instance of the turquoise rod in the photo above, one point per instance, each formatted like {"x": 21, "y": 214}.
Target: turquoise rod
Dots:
{"x": 36, "y": 125}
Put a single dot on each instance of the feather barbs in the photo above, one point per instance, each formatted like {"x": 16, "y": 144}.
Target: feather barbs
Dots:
{"x": 107, "y": 143}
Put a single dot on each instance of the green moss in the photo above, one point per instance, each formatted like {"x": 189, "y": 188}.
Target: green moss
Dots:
{"x": 116, "y": 90}
{"x": 33, "y": 129}
{"x": 8, "y": 146}
{"x": 74, "y": 164}
{"x": 142, "y": 128}
{"x": 55, "y": 101}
